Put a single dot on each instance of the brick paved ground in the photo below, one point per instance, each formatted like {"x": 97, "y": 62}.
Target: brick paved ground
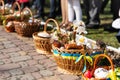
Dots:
{"x": 20, "y": 61}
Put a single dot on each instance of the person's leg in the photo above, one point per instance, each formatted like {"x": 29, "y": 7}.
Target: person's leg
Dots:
{"x": 66, "y": 12}
{"x": 59, "y": 7}
{"x": 52, "y": 9}
{"x": 63, "y": 12}
{"x": 77, "y": 9}
{"x": 70, "y": 11}
{"x": 87, "y": 9}
{"x": 41, "y": 13}
{"x": 115, "y": 8}
{"x": 104, "y": 3}
{"x": 94, "y": 12}
{"x": 115, "y": 11}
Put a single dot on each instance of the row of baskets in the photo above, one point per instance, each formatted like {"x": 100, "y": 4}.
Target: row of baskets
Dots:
{"x": 73, "y": 61}
{"x": 19, "y": 21}
{"x": 76, "y": 61}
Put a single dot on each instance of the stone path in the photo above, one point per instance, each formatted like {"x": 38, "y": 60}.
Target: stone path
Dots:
{"x": 20, "y": 61}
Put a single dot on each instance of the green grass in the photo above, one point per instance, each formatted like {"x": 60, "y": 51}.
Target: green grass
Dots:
{"x": 106, "y": 21}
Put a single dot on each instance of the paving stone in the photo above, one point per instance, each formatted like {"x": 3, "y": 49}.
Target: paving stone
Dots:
{"x": 52, "y": 68}
{"x": 36, "y": 75}
{"x": 20, "y": 58}
{"x": 32, "y": 62}
{"x": 39, "y": 57}
{"x": 4, "y": 74}
{"x": 56, "y": 72}
{"x": 16, "y": 72}
{"x": 6, "y": 42}
{"x": 10, "y": 37}
{"x": 32, "y": 53}
{"x": 40, "y": 67}
{"x": 53, "y": 78}
{"x": 46, "y": 73}
{"x": 14, "y": 78}
{"x": 9, "y": 50}
{"x": 22, "y": 53}
{"x": 18, "y": 42}
{"x": 41, "y": 79}
{"x": 68, "y": 77}
{"x": 7, "y": 61}
{"x": 2, "y": 79}
{"x": 1, "y": 47}
{"x": 27, "y": 77}
{"x": 30, "y": 42}
{"x": 4, "y": 56}
{"x": 1, "y": 62}
{"x": 3, "y": 33}
{"x": 3, "y": 39}
{"x": 10, "y": 45}
{"x": 30, "y": 69}
{"x": 26, "y": 47}
{"x": 1, "y": 43}
{"x": 47, "y": 62}
{"x": 23, "y": 64}
{"x": 14, "y": 54}
{"x": 9, "y": 66}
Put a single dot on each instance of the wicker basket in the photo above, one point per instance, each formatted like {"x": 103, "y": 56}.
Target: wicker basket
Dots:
{"x": 2, "y": 11}
{"x": 11, "y": 18}
{"x": 101, "y": 56}
{"x": 10, "y": 28}
{"x": 69, "y": 65}
{"x": 27, "y": 28}
{"x": 43, "y": 45}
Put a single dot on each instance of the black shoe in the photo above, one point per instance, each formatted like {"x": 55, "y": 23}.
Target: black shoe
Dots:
{"x": 111, "y": 29}
{"x": 92, "y": 26}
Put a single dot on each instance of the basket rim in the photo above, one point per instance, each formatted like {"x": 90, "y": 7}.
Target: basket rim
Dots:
{"x": 18, "y": 5}
{"x": 31, "y": 14}
{"x": 65, "y": 50}
{"x": 48, "y": 20}
{"x": 35, "y": 36}
{"x": 72, "y": 50}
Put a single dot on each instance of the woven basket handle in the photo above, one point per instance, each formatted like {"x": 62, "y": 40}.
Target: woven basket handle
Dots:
{"x": 56, "y": 23}
{"x": 22, "y": 16}
{"x": 14, "y": 5}
{"x": 2, "y": 2}
{"x": 97, "y": 58}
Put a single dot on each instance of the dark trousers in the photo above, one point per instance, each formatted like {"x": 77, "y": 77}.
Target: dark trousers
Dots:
{"x": 52, "y": 8}
{"x": 9, "y": 1}
{"x": 23, "y": 5}
{"x": 104, "y": 3}
{"x": 40, "y": 5}
{"x": 115, "y": 8}
{"x": 92, "y": 9}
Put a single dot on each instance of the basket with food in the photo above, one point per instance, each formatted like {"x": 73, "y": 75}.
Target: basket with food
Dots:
{"x": 27, "y": 27}
{"x": 15, "y": 14}
{"x": 42, "y": 39}
{"x": 9, "y": 21}
{"x": 102, "y": 71}
{"x": 4, "y": 9}
{"x": 70, "y": 57}
{"x": 72, "y": 51}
